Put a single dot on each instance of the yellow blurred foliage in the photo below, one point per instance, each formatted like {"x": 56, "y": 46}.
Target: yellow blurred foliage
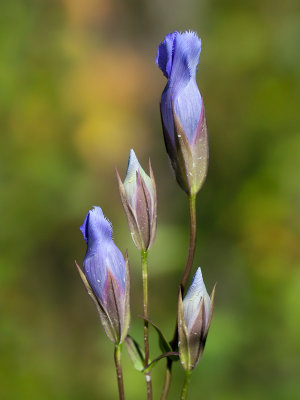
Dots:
{"x": 105, "y": 90}
{"x": 80, "y": 13}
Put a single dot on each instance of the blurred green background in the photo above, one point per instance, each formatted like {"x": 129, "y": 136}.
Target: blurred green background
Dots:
{"x": 79, "y": 88}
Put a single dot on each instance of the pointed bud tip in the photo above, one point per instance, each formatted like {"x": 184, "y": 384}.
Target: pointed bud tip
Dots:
{"x": 198, "y": 275}
{"x": 132, "y": 159}
{"x": 132, "y": 167}
{"x": 132, "y": 153}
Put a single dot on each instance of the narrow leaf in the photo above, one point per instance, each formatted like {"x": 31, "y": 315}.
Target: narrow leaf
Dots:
{"x": 174, "y": 355}
{"x": 163, "y": 343}
{"x": 136, "y": 353}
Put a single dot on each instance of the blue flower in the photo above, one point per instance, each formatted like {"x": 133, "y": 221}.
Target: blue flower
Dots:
{"x": 106, "y": 275}
{"x": 182, "y": 109}
{"x": 178, "y": 57}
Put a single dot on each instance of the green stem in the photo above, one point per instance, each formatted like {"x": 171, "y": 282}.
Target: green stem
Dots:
{"x": 192, "y": 245}
{"x": 188, "y": 266}
{"x": 144, "y": 255}
{"x": 185, "y": 385}
{"x": 117, "y": 356}
{"x": 167, "y": 380}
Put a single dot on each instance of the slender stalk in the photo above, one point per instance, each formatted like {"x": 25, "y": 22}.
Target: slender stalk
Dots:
{"x": 191, "y": 252}
{"x": 188, "y": 266}
{"x": 144, "y": 256}
{"x": 167, "y": 379}
{"x": 192, "y": 245}
{"x": 117, "y": 356}
{"x": 185, "y": 385}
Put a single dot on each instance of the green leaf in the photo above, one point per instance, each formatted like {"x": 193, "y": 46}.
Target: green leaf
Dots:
{"x": 174, "y": 355}
{"x": 136, "y": 353}
{"x": 163, "y": 343}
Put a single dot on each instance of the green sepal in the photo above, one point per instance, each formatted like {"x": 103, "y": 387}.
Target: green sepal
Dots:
{"x": 131, "y": 218}
{"x": 184, "y": 157}
{"x": 189, "y": 160}
{"x": 126, "y": 318}
{"x": 104, "y": 316}
{"x": 212, "y": 306}
{"x": 183, "y": 339}
{"x": 136, "y": 353}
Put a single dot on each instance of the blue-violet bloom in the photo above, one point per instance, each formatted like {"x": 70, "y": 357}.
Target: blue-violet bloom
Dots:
{"x": 138, "y": 196}
{"x": 182, "y": 109}
{"x": 194, "y": 318}
{"x": 106, "y": 275}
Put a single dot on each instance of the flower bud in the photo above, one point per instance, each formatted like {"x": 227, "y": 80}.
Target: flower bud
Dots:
{"x": 182, "y": 110}
{"x": 194, "y": 318}
{"x": 106, "y": 275}
{"x": 138, "y": 196}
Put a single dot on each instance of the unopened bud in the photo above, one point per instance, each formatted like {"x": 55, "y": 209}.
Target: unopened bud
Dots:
{"x": 194, "y": 318}
{"x": 106, "y": 275}
{"x": 138, "y": 196}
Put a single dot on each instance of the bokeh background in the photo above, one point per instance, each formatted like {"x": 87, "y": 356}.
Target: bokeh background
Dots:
{"x": 79, "y": 88}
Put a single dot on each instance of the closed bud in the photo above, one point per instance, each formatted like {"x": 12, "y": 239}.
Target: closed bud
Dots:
{"x": 182, "y": 110}
{"x": 106, "y": 275}
{"x": 194, "y": 318}
{"x": 138, "y": 196}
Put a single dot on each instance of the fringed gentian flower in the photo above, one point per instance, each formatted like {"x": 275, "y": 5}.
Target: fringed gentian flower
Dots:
{"x": 138, "y": 195}
{"x": 106, "y": 275}
{"x": 182, "y": 109}
{"x": 194, "y": 318}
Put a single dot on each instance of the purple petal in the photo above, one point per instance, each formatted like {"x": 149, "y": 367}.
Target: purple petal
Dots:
{"x": 185, "y": 60}
{"x": 164, "y": 57}
{"x": 95, "y": 226}
{"x": 102, "y": 253}
{"x": 96, "y": 273}
{"x": 181, "y": 88}
{"x": 96, "y": 267}
{"x": 116, "y": 263}
{"x": 188, "y": 106}
{"x": 84, "y": 226}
